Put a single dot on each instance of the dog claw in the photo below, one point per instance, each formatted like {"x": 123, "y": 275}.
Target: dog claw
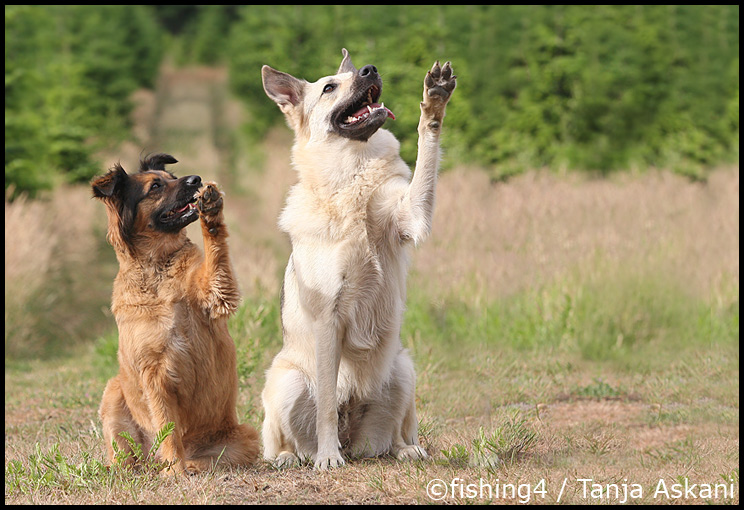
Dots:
{"x": 171, "y": 472}
{"x": 330, "y": 462}
{"x": 411, "y": 452}
{"x": 439, "y": 83}
{"x": 428, "y": 81}
{"x": 209, "y": 198}
{"x": 446, "y": 71}
{"x": 210, "y": 195}
{"x": 436, "y": 71}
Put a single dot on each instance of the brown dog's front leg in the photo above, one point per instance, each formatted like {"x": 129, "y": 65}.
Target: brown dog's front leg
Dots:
{"x": 159, "y": 393}
{"x": 215, "y": 278}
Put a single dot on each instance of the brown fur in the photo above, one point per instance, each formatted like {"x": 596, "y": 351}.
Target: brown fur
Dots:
{"x": 177, "y": 361}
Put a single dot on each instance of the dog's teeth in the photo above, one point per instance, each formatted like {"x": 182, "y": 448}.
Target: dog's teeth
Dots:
{"x": 369, "y": 108}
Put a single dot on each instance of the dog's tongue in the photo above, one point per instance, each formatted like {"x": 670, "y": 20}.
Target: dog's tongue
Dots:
{"x": 374, "y": 106}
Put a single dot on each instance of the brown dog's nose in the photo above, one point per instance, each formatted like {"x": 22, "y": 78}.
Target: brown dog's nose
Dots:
{"x": 193, "y": 180}
{"x": 368, "y": 71}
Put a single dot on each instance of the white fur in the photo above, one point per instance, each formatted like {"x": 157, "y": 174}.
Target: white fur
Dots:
{"x": 342, "y": 374}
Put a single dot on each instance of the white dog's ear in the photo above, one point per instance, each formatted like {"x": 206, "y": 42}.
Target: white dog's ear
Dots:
{"x": 346, "y": 65}
{"x": 284, "y": 89}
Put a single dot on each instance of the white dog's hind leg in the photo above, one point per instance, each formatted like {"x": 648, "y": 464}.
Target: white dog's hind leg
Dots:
{"x": 389, "y": 422}
{"x": 288, "y": 430}
{"x": 405, "y": 441}
{"x": 407, "y": 445}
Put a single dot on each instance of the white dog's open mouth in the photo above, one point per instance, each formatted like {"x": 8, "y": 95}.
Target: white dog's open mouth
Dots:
{"x": 367, "y": 106}
{"x": 366, "y": 111}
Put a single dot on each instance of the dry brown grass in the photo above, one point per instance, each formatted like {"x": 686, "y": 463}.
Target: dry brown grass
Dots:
{"x": 501, "y": 238}
{"x": 607, "y": 441}
{"x": 45, "y": 238}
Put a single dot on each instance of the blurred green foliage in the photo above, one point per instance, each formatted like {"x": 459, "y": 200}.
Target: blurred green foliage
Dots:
{"x": 69, "y": 73}
{"x": 598, "y": 88}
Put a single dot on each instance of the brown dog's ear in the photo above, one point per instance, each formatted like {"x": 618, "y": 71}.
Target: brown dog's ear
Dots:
{"x": 284, "y": 89}
{"x": 110, "y": 188}
{"x": 157, "y": 162}
{"x": 107, "y": 185}
{"x": 346, "y": 65}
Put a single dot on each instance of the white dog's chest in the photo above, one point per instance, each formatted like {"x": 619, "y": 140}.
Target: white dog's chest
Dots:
{"x": 331, "y": 275}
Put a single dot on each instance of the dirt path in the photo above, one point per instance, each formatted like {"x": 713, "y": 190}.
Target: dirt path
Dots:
{"x": 187, "y": 116}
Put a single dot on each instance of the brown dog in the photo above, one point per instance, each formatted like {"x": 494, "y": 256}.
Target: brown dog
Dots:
{"x": 177, "y": 361}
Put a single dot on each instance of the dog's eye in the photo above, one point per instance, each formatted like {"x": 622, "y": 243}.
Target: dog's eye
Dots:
{"x": 155, "y": 185}
{"x": 329, "y": 88}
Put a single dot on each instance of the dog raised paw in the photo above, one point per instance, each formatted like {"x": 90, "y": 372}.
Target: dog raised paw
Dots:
{"x": 209, "y": 199}
{"x": 438, "y": 86}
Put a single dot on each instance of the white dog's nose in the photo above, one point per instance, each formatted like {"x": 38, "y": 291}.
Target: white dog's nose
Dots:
{"x": 368, "y": 71}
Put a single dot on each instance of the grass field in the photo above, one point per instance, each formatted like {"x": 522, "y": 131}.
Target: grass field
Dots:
{"x": 575, "y": 339}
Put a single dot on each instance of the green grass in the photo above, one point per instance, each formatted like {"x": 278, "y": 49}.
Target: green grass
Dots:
{"x": 51, "y": 470}
{"x": 624, "y": 338}
{"x": 620, "y": 320}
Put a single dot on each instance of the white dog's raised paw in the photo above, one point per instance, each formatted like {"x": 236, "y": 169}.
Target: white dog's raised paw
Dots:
{"x": 440, "y": 81}
{"x": 438, "y": 86}
{"x": 411, "y": 452}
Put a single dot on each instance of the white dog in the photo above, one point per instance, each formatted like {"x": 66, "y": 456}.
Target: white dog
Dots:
{"x": 342, "y": 381}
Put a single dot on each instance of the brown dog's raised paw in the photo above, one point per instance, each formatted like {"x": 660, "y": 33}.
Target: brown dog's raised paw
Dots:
{"x": 209, "y": 199}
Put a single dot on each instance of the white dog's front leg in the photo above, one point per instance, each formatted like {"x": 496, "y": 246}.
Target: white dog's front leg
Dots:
{"x": 327, "y": 358}
{"x": 417, "y": 205}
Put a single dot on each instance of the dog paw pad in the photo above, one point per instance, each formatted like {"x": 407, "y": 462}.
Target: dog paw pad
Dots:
{"x": 439, "y": 82}
{"x": 209, "y": 198}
